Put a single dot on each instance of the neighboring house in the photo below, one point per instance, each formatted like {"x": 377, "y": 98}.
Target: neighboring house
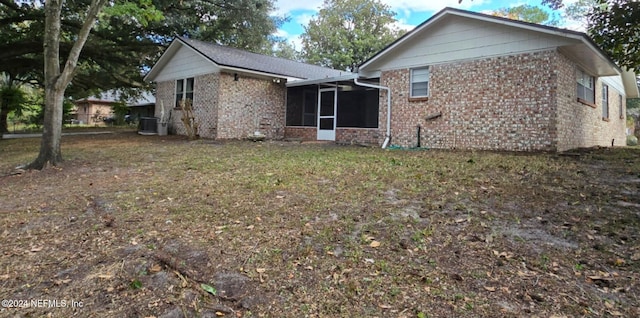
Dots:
{"x": 458, "y": 80}
{"x": 94, "y": 109}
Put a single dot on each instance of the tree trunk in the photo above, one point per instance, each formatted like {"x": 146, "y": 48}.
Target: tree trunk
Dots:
{"x": 57, "y": 79}
{"x": 4, "y": 113}
{"x": 51, "y": 131}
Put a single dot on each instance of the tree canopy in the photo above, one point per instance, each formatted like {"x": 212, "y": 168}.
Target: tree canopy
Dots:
{"x": 527, "y": 13}
{"x": 615, "y": 27}
{"x": 128, "y": 38}
{"x": 119, "y": 40}
{"x": 345, "y": 33}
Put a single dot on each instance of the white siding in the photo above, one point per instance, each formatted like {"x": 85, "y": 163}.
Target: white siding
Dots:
{"x": 186, "y": 63}
{"x": 614, "y": 82}
{"x": 458, "y": 38}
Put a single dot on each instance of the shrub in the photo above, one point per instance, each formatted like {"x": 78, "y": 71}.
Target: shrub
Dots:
{"x": 632, "y": 140}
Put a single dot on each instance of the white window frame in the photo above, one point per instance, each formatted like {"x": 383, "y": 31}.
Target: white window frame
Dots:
{"x": 621, "y": 107}
{"x": 585, "y": 86}
{"x": 605, "y": 101}
{"x": 413, "y": 78}
{"x": 181, "y": 89}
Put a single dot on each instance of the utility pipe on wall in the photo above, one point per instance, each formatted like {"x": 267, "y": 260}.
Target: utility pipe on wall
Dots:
{"x": 388, "y": 136}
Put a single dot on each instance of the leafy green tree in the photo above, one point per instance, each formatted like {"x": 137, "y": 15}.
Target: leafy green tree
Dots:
{"x": 58, "y": 72}
{"x": 527, "y": 13}
{"x": 579, "y": 11}
{"x": 129, "y": 37}
{"x": 12, "y": 99}
{"x": 615, "y": 26}
{"x": 345, "y": 33}
{"x": 125, "y": 40}
{"x": 285, "y": 50}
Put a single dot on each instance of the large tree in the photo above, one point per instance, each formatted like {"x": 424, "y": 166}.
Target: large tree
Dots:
{"x": 527, "y": 13}
{"x": 345, "y": 33}
{"x": 126, "y": 38}
{"x": 120, "y": 48}
{"x": 58, "y": 72}
{"x": 12, "y": 99}
{"x": 615, "y": 26}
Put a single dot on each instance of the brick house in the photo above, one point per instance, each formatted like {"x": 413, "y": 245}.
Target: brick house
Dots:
{"x": 458, "y": 80}
{"x": 234, "y": 93}
{"x": 94, "y": 109}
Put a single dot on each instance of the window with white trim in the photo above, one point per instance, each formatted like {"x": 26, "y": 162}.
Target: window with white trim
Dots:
{"x": 586, "y": 83}
{"x": 621, "y": 107}
{"x": 420, "y": 82}
{"x": 184, "y": 91}
{"x": 605, "y": 101}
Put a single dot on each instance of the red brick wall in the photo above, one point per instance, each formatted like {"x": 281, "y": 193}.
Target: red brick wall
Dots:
{"x": 228, "y": 109}
{"x": 581, "y": 125}
{"x": 165, "y": 95}
{"x": 504, "y": 103}
{"x": 302, "y": 133}
{"x": 523, "y": 102}
{"x": 371, "y": 136}
{"x": 250, "y": 105}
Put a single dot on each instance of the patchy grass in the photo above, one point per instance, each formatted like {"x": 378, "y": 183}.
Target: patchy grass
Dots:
{"x": 135, "y": 226}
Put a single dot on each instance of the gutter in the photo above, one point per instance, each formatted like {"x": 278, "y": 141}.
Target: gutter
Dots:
{"x": 388, "y": 135}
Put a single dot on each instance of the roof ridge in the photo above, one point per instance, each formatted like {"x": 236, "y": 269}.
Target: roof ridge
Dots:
{"x": 259, "y": 54}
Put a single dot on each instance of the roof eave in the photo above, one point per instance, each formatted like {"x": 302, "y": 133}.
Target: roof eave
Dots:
{"x": 630, "y": 83}
{"x": 163, "y": 60}
{"x": 322, "y": 80}
{"x": 579, "y": 36}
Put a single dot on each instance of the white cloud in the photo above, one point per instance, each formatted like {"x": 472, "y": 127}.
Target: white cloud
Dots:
{"x": 284, "y": 7}
{"x": 431, "y": 5}
{"x": 406, "y": 6}
{"x": 293, "y": 39}
{"x": 303, "y": 19}
{"x": 403, "y": 25}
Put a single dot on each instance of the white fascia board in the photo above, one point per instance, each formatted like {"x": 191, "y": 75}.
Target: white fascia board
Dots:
{"x": 517, "y": 24}
{"x": 630, "y": 83}
{"x": 322, "y": 80}
{"x": 163, "y": 60}
{"x": 231, "y": 69}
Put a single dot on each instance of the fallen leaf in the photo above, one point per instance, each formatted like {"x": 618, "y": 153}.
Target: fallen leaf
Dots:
{"x": 461, "y": 220}
{"x": 155, "y": 268}
{"x": 250, "y": 227}
{"x": 209, "y": 289}
{"x": 61, "y": 281}
{"x": 105, "y": 276}
{"x": 5, "y": 276}
{"x": 384, "y": 306}
{"x": 491, "y": 289}
{"x": 36, "y": 248}
{"x": 261, "y": 270}
{"x": 374, "y": 244}
{"x": 219, "y": 313}
{"x": 309, "y": 268}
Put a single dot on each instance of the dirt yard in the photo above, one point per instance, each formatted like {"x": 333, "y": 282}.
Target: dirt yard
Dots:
{"x": 134, "y": 226}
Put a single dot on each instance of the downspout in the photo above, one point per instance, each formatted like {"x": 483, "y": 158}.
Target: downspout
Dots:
{"x": 388, "y": 136}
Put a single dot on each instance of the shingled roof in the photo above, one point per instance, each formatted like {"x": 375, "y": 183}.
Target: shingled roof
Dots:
{"x": 232, "y": 57}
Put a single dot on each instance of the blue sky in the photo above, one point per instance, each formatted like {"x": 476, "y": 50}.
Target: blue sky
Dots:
{"x": 409, "y": 13}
